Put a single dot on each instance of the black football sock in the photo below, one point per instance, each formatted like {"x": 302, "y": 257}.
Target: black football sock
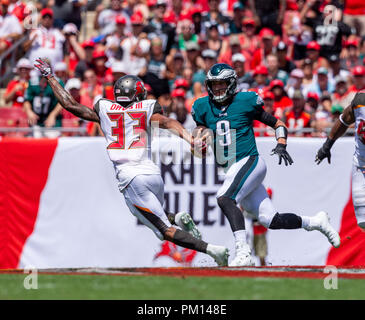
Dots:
{"x": 232, "y": 212}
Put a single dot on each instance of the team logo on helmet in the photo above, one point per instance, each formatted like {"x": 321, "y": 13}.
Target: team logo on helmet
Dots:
{"x": 129, "y": 89}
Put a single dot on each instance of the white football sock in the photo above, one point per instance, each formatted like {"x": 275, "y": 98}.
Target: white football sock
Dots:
{"x": 240, "y": 236}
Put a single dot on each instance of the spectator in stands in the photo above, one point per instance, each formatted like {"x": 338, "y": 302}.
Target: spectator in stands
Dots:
{"x": 74, "y": 52}
{"x": 90, "y": 88}
{"x": 181, "y": 83}
{"x": 362, "y": 48}
{"x": 322, "y": 118}
{"x": 103, "y": 73}
{"x": 336, "y": 111}
{"x": 233, "y": 47}
{"x": 235, "y": 25}
{"x": 295, "y": 82}
{"x": 308, "y": 79}
{"x": 73, "y": 86}
{"x": 10, "y": 27}
{"x": 297, "y": 118}
{"x": 260, "y": 76}
{"x": 249, "y": 41}
{"x": 136, "y": 48}
{"x": 214, "y": 16}
{"x": 175, "y": 68}
{"x": 104, "y": 20}
{"x": 113, "y": 41}
{"x": 268, "y": 14}
{"x": 178, "y": 111}
{"x": 284, "y": 61}
{"x": 244, "y": 79}
{"x": 312, "y": 103}
{"x": 341, "y": 94}
{"x": 197, "y": 18}
{"x": 194, "y": 60}
{"x": 296, "y": 31}
{"x": 358, "y": 75}
{"x": 41, "y": 105}
{"x": 336, "y": 69}
{"x": 67, "y": 12}
{"x": 272, "y": 64}
{"x": 260, "y": 55}
{"x": 157, "y": 27}
{"x": 118, "y": 70}
{"x": 60, "y": 70}
{"x": 323, "y": 85}
{"x": 354, "y": 15}
{"x": 185, "y": 33}
{"x": 209, "y": 59}
{"x": 313, "y": 50}
{"x": 87, "y": 62}
{"x": 156, "y": 69}
{"x": 281, "y": 100}
{"x": 15, "y": 89}
{"x": 328, "y": 37}
{"x": 18, "y": 9}
{"x": 352, "y": 57}
{"x": 46, "y": 41}
{"x": 214, "y": 39}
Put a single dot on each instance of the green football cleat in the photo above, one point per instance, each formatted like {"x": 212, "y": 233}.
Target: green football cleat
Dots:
{"x": 186, "y": 223}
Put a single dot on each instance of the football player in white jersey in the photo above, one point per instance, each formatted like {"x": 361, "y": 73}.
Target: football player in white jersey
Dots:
{"x": 126, "y": 124}
{"x": 354, "y": 113}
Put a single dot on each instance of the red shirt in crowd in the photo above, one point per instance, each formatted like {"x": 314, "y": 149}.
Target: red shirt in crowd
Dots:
{"x": 299, "y": 121}
{"x": 18, "y": 98}
{"x": 354, "y": 7}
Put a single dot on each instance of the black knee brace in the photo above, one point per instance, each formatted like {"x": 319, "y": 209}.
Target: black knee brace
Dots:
{"x": 286, "y": 221}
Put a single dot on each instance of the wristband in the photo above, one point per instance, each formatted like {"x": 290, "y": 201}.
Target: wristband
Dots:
{"x": 281, "y": 132}
{"x": 343, "y": 122}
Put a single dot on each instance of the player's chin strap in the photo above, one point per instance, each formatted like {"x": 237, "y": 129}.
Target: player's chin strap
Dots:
{"x": 281, "y": 132}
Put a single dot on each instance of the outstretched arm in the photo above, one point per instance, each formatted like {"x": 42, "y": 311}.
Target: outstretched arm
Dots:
{"x": 198, "y": 146}
{"x": 172, "y": 125}
{"x": 338, "y": 129}
{"x": 65, "y": 98}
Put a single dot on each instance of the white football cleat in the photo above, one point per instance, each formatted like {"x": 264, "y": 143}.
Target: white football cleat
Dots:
{"x": 186, "y": 223}
{"x": 243, "y": 256}
{"x": 321, "y": 222}
{"x": 219, "y": 253}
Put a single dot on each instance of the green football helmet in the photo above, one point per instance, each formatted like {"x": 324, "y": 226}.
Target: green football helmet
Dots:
{"x": 221, "y": 72}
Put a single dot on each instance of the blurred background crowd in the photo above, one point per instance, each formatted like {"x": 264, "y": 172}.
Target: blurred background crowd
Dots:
{"x": 305, "y": 58}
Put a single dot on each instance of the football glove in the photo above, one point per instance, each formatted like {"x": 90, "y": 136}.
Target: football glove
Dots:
{"x": 324, "y": 151}
{"x": 280, "y": 150}
{"x": 44, "y": 67}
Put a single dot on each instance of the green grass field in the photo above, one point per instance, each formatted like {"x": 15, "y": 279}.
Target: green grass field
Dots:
{"x": 164, "y": 287}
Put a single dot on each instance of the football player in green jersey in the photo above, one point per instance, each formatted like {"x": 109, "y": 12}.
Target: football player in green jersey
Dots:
{"x": 228, "y": 115}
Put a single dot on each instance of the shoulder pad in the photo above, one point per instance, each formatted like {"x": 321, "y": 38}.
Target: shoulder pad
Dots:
{"x": 359, "y": 99}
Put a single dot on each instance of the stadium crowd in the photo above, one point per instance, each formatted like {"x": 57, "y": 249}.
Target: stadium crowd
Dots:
{"x": 305, "y": 58}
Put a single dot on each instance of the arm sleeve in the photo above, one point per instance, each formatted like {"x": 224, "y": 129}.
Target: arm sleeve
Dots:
{"x": 265, "y": 117}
